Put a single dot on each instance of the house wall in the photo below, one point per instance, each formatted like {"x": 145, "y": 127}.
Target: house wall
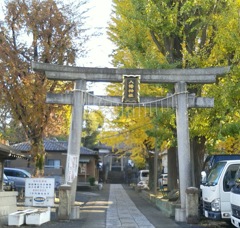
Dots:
{"x": 56, "y": 156}
{"x": 164, "y": 157}
{"x": 91, "y": 170}
{"x": 87, "y": 170}
{"x": 18, "y": 163}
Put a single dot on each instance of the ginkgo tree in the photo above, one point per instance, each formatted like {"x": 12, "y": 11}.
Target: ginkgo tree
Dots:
{"x": 93, "y": 122}
{"x": 133, "y": 138}
{"x": 134, "y": 125}
{"x": 220, "y": 125}
{"x": 186, "y": 34}
{"x": 46, "y": 31}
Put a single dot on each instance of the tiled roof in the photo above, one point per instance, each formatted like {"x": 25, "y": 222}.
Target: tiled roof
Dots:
{"x": 52, "y": 146}
{"x": 25, "y": 146}
{"x": 87, "y": 151}
{"x": 102, "y": 146}
{"x": 10, "y": 153}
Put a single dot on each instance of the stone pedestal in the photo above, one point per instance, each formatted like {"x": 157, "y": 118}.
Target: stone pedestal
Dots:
{"x": 180, "y": 215}
{"x": 192, "y": 204}
{"x": 8, "y": 202}
{"x": 64, "y": 210}
{"x": 75, "y": 212}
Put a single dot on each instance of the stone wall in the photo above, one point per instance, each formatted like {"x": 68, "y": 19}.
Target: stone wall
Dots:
{"x": 8, "y": 202}
{"x": 167, "y": 207}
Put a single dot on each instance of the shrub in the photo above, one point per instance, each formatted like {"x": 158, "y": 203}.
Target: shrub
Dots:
{"x": 92, "y": 181}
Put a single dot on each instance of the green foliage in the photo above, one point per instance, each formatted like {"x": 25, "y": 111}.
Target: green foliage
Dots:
{"x": 138, "y": 130}
{"x": 91, "y": 181}
{"x": 93, "y": 122}
{"x": 183, "y": 34}
{"x": 165, "y": 32}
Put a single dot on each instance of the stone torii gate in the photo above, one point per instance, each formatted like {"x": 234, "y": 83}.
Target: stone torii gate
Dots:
{"x": 179, "y": 77}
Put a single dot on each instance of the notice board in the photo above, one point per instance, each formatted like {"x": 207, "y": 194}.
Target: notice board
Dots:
{"x": 39, "y": 192}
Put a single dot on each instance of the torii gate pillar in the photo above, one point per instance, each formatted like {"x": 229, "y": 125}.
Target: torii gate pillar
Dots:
{"x": 183, "y": 143}
{"x": 74, "y": 141}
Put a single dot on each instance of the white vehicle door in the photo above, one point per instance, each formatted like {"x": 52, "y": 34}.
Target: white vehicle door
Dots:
{"x": 225, "y": 188}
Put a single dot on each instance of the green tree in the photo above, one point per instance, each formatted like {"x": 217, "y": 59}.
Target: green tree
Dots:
{"x": 93, "y": 122}
{"x": 185, "y": 34}
{"x": 43, "y": 31}
{"x": 162, "y": 33}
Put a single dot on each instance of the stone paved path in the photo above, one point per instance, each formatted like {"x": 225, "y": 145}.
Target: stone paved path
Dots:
{"x": 122, "y": 212}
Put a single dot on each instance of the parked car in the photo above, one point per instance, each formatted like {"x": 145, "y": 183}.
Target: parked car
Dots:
{"x": 163, "y": 180}
{"x": 8, "y": 185}
{"x": 18, "y": 176}
{"x": 143, "y": 175}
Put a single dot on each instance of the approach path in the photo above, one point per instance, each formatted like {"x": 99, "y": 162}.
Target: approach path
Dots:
{"x": 116, "y": 205}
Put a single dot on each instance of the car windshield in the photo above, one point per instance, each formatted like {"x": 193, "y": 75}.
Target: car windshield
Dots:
{"x": 27, "y": 174}
{"x": 145, "y": 174}
{"x": 237, "y": 176}
{"x": 215, "y": 174}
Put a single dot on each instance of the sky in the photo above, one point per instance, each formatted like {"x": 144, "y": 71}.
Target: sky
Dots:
{"x": 100, "y": 47}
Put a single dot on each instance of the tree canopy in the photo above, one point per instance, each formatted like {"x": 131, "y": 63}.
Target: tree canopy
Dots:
{"x": 185, "y": 34}
{"x": 93, "y": 122}
{"x": 45, "y": 31}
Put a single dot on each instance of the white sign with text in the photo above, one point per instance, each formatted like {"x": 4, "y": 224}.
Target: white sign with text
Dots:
{"x": 39, "y": 192}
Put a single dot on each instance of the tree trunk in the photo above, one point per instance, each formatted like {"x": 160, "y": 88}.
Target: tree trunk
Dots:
{"x": 151, "y": 171}
{"x": 173, "y": 173}
{"x": 197, "y": 151}
{"x": 38, "y": 155}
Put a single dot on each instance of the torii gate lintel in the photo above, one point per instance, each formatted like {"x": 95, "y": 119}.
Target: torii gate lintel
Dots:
{"x": 163, "y": 102}
{"x": 70, "y": 73}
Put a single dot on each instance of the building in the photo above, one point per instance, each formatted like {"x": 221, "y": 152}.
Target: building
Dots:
{"x": 8, "y": 200}
{"x": 55, "y": 160}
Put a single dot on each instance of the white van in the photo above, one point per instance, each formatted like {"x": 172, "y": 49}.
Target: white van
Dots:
{"x": 143, "y": 175}
{"x": 216, "y": 190}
